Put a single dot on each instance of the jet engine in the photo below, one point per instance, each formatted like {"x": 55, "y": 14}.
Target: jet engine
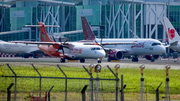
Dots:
{"x": 115, "y": 55}
{"x": 152, "y": 57}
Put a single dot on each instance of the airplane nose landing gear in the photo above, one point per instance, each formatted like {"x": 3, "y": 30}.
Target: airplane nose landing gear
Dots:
{"x": 99, "y": 61}
{"x": 62, "y": 60}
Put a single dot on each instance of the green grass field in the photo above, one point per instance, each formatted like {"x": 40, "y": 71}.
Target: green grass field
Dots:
{"x": 153, "y": 78}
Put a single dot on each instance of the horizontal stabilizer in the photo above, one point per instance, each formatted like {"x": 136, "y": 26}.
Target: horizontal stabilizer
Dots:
{"x": 41, "y": 25}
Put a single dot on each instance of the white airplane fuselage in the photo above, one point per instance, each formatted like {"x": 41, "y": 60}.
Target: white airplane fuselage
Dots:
{"x": 142, "y": 47}
{"x": 77, "y": 51}
{"x": 87, "y": 51}
{"x": 19, "y": 48}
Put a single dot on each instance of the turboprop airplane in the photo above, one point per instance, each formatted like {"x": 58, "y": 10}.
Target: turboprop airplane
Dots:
{"x": 173, "y": 37}
{"x": 66, "y": 50}
{"x": 150, "y": 48}
{"x": 22, "y": 49}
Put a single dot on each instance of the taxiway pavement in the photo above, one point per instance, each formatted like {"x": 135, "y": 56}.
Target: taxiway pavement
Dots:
{"x": 124, "y": 63}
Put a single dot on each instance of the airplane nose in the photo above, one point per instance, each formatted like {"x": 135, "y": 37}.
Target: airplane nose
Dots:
{"x": 102, "y": 54}
{"x": 163, "y": 49}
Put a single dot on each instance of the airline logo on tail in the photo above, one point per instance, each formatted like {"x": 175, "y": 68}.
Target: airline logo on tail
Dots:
{"x": 43, "y": 36}
{"x": 87, "y": 32}
{"x": 171, "y": 33}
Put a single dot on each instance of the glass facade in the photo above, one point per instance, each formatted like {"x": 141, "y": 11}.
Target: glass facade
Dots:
{"x": 174, "y": 16}
{"x": 115, "y": 19}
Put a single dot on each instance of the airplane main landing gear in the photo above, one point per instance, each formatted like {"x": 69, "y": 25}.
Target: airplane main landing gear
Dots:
{"x": 134, "y": 59}
{"x": 109, "y": 60}
{"x": 62, "y": 60}
{"x": 152, "y": 60}
{"x": 82, "y": 60}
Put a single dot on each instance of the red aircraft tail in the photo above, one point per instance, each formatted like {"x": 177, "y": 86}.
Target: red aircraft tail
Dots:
{"x": 87, "y": 32}
{"x": 43, "y": 34}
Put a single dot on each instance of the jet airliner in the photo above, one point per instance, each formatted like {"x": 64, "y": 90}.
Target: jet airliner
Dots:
{"x": 150, "y": 48}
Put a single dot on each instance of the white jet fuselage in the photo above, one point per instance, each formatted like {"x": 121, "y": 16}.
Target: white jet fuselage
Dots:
{"x": 141, "y": 47}
{"x": 19, "y": 48}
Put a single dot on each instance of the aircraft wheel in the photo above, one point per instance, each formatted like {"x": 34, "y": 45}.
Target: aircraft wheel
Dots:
{"x": 62, "y": 60}
{"x": 34, "y": 56}
{"x": 134, "y": 59}
{"x": 26, "y": 56}
{"x": 109, "y": 60}
{"x": 152, "y": 60}
{"x": 99, "y": 61}
{"x": 82, "y": 60}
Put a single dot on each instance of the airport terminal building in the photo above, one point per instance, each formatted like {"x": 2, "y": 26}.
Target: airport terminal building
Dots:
{"x": 108, "y": 18}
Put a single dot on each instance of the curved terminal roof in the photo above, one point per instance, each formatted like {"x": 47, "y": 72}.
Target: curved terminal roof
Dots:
{"x": 47, "y": 1}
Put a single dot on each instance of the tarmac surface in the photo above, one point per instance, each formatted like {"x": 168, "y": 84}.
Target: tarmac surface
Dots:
{"x": 124, "y": 63}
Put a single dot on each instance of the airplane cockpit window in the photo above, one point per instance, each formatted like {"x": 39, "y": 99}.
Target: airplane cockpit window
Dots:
{"x": 96, "y": 49}
{"x": 155, "y": 44}
{"x": 92, "y": 48}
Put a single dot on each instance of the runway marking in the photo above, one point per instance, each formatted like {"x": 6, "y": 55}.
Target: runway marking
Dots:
{"x": 72, "y": 60}
{"x": 115, "y": 60}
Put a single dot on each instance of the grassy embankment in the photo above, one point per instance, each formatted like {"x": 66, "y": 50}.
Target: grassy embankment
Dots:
{"x": 153, "y": 78}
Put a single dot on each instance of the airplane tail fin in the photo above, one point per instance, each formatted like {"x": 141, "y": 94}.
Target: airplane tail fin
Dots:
{"x": 87, "y": 32}
{"x": 43, "y": 34}
{"x": 172, "y": 34}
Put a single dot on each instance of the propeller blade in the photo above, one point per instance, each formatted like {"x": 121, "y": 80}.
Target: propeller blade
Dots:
{"x": 53, "y": 38}
{"x": 101, "y": 41}
{"x": 60, "y": 40}
{"x": 96, "y": 42}
{"x": 60, "y": 48}
{"x": 100, "y": 44}
{"x": 66, "y": 41}
{"x": 63, "y": 52}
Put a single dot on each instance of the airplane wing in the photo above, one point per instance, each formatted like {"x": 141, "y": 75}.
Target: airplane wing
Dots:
{"x": 117, "y": 43}
{"x": 174, "y": 43}
{"x": 110, "y": 49}
{"x": 111, "y": 43}
{"x": 55, "y": 44}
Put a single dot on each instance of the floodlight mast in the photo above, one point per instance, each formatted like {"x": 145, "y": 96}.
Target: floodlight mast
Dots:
{"x": 142, "y": 67}
{"x": 167, "y": 97}
{"x": 91, "y": 66}
{"x": 117, "y": 66}
{"x": 97, "y": 70}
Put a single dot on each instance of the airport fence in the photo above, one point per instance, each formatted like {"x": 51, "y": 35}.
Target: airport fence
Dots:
{"x": 64, "y": 88}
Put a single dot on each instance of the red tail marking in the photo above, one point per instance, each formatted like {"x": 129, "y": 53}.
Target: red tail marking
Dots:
{"x": 171, "y": 33}
{"x": 87, "y": 32}
{"x": 43, "y": 34}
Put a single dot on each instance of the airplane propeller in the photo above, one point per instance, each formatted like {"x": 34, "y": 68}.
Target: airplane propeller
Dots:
{"x": 100, "y": 44}
{"x": 61, "y": 46}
